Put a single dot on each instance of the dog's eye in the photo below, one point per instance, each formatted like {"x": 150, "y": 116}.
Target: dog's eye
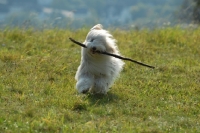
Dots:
{"x": 92, "y": 40}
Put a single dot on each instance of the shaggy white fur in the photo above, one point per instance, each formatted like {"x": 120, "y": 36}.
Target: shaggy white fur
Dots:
{"x": 97, "y": 72}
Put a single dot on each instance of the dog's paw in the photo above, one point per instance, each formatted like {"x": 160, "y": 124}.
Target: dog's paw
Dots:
{"x": 85, "y": 91}
{"x": 98, "y": 91}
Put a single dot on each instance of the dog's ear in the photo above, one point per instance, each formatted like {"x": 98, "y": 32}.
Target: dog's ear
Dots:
{"x": 97, "y": 27}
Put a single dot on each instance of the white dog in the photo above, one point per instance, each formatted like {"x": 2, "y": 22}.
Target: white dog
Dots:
{"x": 97, "y": 72}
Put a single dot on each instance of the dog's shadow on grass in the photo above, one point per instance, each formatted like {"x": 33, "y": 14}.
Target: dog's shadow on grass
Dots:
{"x": 100, "y": 99}
{"x": 95, "y": 100}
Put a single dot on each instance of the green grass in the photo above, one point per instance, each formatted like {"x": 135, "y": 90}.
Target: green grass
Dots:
{"x": 37, "y": 85}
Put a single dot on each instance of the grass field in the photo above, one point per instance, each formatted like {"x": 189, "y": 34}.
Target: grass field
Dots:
{"x": 37, "y": 85}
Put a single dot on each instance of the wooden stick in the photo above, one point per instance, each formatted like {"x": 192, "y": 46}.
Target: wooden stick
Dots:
{"x": 116, "y": 56}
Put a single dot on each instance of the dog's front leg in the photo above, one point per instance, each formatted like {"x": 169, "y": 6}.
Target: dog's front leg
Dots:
{"x": 84, "y": 83}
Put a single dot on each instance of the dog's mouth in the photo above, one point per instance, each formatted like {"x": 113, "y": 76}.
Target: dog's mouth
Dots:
{"x": 94, "y": 50}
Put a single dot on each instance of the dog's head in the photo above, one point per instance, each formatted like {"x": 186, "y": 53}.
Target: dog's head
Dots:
{"x": 99, "y": 39}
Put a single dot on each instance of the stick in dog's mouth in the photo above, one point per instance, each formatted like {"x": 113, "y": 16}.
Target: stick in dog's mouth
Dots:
{"x": 116, "y": 56}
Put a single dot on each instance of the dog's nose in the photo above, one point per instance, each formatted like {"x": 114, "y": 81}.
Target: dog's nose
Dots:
{"x": 94, "y": 48}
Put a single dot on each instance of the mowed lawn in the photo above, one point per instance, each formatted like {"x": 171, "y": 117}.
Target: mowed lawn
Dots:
{"x": 37, "y": 85}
